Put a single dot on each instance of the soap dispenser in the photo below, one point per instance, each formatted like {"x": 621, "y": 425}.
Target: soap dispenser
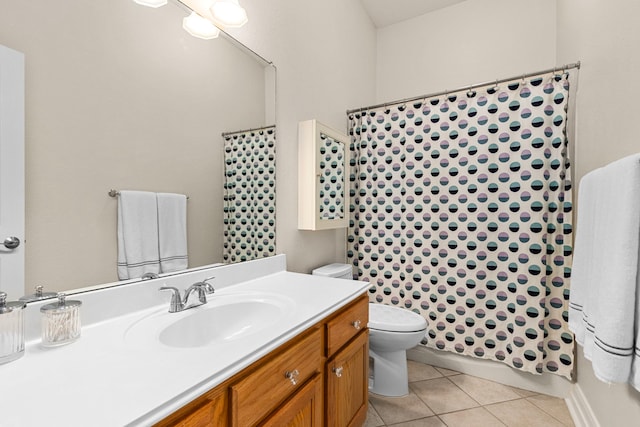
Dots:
{"x": 11, "y": 329}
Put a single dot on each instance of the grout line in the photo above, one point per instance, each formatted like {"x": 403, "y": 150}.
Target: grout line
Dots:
{"x": 546, "y": 412}
{"x": 485, "y": 407}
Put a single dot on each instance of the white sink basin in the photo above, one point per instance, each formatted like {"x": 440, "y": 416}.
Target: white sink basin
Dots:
{"x": 225, "y": 318}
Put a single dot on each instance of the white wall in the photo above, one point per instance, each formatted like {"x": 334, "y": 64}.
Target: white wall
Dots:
{"x": 604, "y": 36}
{"x": 470, "y": 42}
{"x": 325, "y": 55}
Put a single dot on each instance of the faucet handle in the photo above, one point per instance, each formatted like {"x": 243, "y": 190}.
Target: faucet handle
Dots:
{"x": 176, "y": 299}
{"x": 206, "y": 286}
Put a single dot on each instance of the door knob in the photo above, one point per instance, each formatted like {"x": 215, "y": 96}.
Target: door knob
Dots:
{"x": 11, "y": 242}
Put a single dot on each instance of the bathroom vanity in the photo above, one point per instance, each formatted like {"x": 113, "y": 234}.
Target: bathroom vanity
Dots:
{"x": 270, "y": 347}
{"x": 317, "y": 378}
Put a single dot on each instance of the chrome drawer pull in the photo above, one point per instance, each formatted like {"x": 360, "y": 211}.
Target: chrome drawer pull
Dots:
{"x": 357, "y": 324}
{"x": 338, "y": 371}
{"x": 292, "y": 376}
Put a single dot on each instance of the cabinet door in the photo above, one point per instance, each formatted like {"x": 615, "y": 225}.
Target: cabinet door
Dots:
{"x": 347, "y": 384}
{"x": 208, "y": 411}
{"x": 304, "y": 409}
{"x": 323, "y": 180}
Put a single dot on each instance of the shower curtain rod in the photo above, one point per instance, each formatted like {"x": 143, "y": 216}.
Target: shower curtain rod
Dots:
{"x": 467, "y": 88}
{"x": 246, "y": 130}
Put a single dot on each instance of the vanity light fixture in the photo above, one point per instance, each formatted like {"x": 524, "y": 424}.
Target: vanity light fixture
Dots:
{"x": 229, "y": 13}
{"x": 151, "y": 3}
{"x": 200, "y": 27}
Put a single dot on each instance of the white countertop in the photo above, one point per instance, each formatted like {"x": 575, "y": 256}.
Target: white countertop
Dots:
{"x": 104, "y": 379}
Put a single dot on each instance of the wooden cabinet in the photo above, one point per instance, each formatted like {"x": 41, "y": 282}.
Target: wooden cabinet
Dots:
{"x": 319, "y": 378}
{"x": 210, "y": 410}
{"x": 303, "y": 409}
{"x": 346, "y": 396}
{"x": 347, "y": 370}
{"x": 271, "y": 383}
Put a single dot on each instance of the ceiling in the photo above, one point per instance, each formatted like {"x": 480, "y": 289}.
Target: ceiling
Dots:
{"x": 388, "y": 12}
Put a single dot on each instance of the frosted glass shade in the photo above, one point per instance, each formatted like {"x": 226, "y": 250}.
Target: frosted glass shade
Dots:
{"x": 229, "y": 13}
{"x": 151, "y": 3}
{"x": 200, "y": 27}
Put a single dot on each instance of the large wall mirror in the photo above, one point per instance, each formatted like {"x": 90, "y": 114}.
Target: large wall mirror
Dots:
{"x": 119, "y": 96}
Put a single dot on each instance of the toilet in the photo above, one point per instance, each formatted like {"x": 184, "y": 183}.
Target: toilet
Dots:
{"x": 392, "y": 331}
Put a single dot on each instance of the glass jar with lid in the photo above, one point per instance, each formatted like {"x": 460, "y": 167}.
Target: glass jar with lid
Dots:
{"x": 60, "y": 322}
{"x": 11, "y": 329}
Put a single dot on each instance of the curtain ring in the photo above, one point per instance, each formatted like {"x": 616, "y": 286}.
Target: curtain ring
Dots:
{"x": 471, "y": 93}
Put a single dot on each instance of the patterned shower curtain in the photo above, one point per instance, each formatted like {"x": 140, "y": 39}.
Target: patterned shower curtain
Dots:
{"x": 249, "y": 195}
{"x": 461, "y": 212}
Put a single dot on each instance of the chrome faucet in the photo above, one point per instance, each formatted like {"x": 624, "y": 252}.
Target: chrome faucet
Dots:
{"x": 178, "y": 303}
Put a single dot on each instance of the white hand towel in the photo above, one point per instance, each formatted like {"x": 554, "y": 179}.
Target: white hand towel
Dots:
{"x": 605, "y": 266}
{"x": 137, "y": 234}
{"x": 172, "y": 231}
{"x": 584, "y": 252}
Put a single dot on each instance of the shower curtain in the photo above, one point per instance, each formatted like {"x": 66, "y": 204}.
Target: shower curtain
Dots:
{"x": 461, "y": 211}
{"x": 249, "y": 195}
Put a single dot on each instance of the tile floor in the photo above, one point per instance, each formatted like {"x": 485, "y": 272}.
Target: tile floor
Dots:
{"x": 443, "y": 398}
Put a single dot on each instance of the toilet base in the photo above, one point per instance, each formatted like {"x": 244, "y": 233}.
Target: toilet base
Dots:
{"x": 390, "y": 377}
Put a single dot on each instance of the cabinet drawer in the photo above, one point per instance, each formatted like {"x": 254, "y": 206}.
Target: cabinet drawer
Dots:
{"x": 260, "y": 393}
{"x": 344, "y": 326}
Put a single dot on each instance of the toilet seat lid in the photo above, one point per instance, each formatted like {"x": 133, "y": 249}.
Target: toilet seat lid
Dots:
{"x": 394, "y": 319}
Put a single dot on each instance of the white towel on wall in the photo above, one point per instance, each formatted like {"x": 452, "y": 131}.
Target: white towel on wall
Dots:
{"x": 603, "y": 311}
{"x": 172, "y": 231}
{"x": 137, "y": 234}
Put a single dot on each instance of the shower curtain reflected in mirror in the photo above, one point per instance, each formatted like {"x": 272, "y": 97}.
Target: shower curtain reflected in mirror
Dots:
{"x": 249, "y": 195}
{"x": 461, "y": 212}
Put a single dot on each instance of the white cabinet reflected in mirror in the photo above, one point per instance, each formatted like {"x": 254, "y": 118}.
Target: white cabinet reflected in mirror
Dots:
{"x": 322, "y": 166}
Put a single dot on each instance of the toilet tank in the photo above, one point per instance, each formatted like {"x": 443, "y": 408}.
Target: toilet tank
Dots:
{"x": 337, "y": 270}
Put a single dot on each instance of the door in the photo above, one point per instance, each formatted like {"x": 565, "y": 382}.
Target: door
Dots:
{"x": 304, "y": 409}
{"x": 347, "y": 383}
{"x": 11, "y": 172}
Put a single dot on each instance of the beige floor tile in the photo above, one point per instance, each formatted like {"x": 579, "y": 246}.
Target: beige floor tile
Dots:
{"x": 446, "y": 372}
{"x": 484, "y": 391}
{"x": 373, "y": 419}
{"x": 420, "y": 371}
{"x": 476, "y": 417}
{"x": 442, "y": 395}
{"x": 520, "y": 413}
{"x": 423, "y": 422}
{"x": 399, "y": 409}
{"x": 522, "y": 392}
{"x": 553, "y": 406}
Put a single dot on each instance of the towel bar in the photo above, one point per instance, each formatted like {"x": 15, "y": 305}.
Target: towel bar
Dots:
{"x": 116, "y": 193}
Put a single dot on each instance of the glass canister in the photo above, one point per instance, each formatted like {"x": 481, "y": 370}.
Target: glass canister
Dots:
{"x": 11, "y": 329}
{"x": 60, "y": 322}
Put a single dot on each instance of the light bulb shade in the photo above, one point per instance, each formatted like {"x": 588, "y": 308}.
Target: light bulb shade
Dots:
{"x": 151, "y": 3}
{"x": 229, "y": 13}
{"x": 200, "y": 27}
